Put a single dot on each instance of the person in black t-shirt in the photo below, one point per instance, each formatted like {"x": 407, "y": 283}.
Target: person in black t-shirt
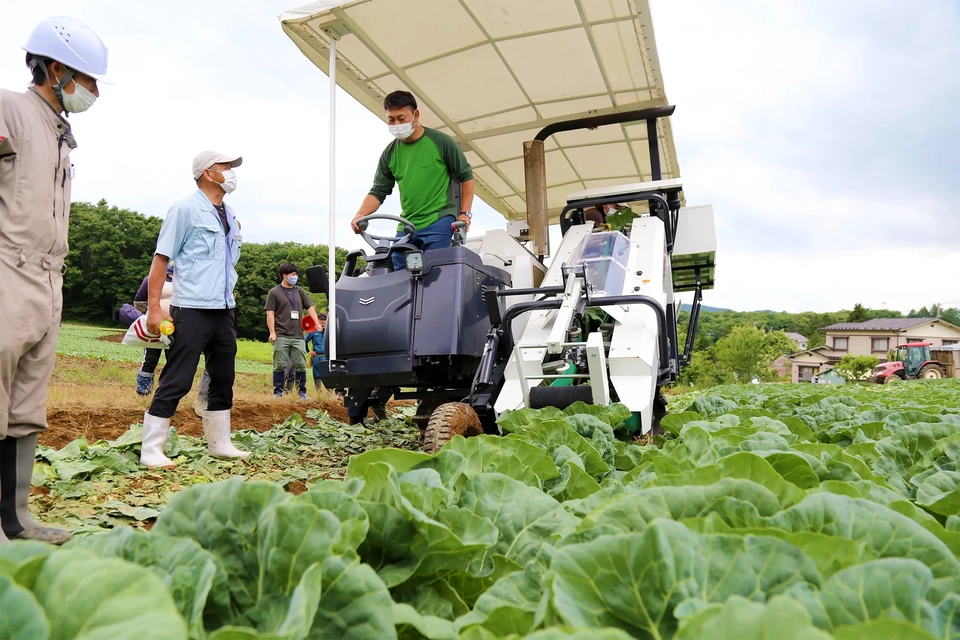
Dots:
{"x": 286, "y": 305}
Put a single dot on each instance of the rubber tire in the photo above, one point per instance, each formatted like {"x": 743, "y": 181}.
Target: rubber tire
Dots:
{"x": 924, "y": 372}
{"x": 892, "y": 378}
{"x": 449, "y": 420}
{"x": 425, "y": 409}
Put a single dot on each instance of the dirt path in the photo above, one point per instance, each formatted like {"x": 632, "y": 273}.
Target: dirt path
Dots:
{"x": 96, "y": 400}
{"x": 69, "y": 423}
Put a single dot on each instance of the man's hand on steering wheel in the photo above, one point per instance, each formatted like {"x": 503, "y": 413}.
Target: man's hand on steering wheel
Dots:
{"x": 375, "y": 241}
{"x": 354, "y": 225}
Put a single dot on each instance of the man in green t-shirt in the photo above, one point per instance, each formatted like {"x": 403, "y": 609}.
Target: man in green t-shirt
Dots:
{"x": 424, "y": 163}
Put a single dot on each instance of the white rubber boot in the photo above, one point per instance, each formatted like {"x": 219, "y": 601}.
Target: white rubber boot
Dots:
{"x": 155, "y": 432}
{"x": 216, "y": 428}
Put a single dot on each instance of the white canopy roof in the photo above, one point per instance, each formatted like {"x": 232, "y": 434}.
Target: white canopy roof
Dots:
{"x": 492, "y": 73}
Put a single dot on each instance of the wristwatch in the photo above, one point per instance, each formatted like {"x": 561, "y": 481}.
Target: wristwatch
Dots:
{"x": 466, "y": 213}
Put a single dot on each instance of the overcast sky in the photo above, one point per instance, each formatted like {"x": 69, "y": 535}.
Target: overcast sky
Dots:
{"x": 824, "y": 133}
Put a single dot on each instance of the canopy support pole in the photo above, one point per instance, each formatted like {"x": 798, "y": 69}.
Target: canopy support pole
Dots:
{"x": 332, "y": 243}
{"x": 535, "y": 178}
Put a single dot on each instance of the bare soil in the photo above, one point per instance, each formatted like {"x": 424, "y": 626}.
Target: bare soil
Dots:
{"x": 69, "y": 423}
{"x": 96, "y": 400}
{"x": 296, "y": 488}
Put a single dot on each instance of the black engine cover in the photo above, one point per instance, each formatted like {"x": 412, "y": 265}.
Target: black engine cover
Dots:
{"x": 397, "y": 329}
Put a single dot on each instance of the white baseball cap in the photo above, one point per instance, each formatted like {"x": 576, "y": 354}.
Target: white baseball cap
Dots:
{"x": 206, "y": 159}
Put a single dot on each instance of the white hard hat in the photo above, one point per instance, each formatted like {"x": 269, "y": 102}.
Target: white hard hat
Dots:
{"x": 71, "y": 43}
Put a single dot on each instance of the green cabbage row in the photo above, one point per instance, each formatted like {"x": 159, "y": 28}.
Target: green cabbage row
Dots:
{"x": 779, "y": 511}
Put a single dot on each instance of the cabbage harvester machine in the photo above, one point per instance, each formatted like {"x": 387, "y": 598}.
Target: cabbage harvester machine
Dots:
{"x": 486, "y": 327}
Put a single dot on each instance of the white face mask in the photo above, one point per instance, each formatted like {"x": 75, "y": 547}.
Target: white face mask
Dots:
{"x": 80, "y": 100}
{"x": 402, "y": 131}
{"x": 229, "y": 184}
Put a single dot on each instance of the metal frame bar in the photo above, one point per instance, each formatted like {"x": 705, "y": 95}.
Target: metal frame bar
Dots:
{"x": 663, "y": 212}
{"x": 668, "y": 368}
{"x": 522, "y": 378}
{"x": 654, "y": 147}
{"x": 672, "y": 319}
{"x": 693, "y": 323}
{"x": 599, "y": 379}
{"x": 693, "y": 267}
{"x": 545, "y": 345}
{"x": 430, "y": 395}
{"x": 613, "y": 118}
{"x": 534, "y": 167}
{"x": 332, "y": 217}
{"x": 570, "y": 305}
{"x": 534, "y": 291}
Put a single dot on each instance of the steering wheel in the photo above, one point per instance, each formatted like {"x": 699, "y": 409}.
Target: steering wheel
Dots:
{"x": 374, "y": 241}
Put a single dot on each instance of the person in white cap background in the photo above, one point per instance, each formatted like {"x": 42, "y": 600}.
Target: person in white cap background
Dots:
{"x": 202, "y": 235}
{"x": 66, "y": 59}
{"x": 151, "y": 357}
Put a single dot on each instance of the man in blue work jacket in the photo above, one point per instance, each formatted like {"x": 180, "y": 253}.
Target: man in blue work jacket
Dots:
{"x": 201, "y": 234}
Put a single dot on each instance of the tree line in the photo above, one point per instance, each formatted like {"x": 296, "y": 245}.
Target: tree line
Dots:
{"x": 738, "y": 346}
{"x": 111, "y": 250}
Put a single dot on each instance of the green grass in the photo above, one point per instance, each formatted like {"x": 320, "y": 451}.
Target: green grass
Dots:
{"x": 255, "y": 351}
{"x": 86, "y": 342}
{"x": 81, "y": 375}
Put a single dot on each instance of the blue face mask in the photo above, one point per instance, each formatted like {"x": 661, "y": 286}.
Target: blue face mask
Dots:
{"x": 292, "y": 280}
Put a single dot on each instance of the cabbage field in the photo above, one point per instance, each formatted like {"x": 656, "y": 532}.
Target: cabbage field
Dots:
{"x": 766, "y": 512}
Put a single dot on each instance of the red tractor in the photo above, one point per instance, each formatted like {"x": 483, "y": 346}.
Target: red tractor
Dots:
{"x": 909, "y": 362}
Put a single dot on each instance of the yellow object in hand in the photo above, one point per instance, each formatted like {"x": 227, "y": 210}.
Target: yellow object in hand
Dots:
{"x": 166, "y": 327}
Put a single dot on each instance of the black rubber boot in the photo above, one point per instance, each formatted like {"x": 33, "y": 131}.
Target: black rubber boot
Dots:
{"x": 277, "y": 384}
{"x": 302, "y": 384}
{"x": 8, "y": 483}
{"x": 17, "y": 456}
{"x": 203, "y": 394}
{"x": 357, "y": 414}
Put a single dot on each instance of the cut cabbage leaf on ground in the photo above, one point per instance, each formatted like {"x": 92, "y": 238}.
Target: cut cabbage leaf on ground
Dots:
{"x": 766, "y": 512}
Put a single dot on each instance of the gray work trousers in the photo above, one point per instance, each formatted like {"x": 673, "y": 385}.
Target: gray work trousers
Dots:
{"x": 31, "y": 300}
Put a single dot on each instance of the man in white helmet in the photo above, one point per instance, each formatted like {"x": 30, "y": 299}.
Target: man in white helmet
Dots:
{"x": 66, "y": 59}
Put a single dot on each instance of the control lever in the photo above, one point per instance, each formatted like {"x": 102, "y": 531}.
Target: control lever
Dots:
{"x": 459, "y": 229}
